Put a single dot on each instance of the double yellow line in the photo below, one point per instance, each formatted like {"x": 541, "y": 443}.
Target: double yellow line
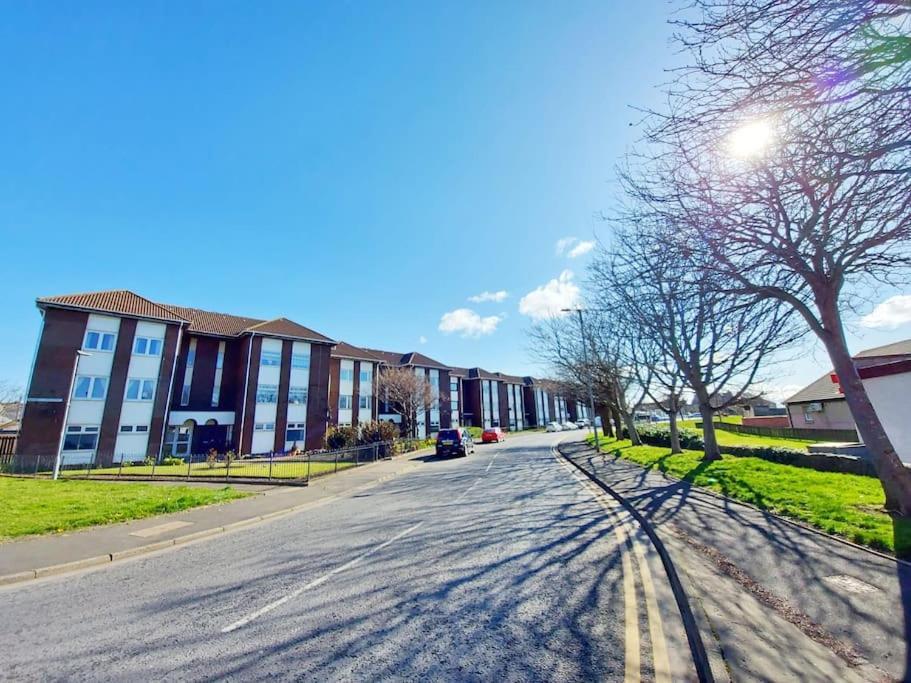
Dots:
{"x": 632, "y": 553}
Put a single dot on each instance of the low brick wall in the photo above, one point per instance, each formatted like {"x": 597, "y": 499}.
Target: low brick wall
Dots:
{"x": 770, "y": 421}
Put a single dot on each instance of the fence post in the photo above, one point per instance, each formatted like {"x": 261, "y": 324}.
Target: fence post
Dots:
{"x": 120, "y": 469}
{"x": 271, "y": 455}
{"x": 37, "y": 463}
{"x": 309, "y": 458}
{"x": 227, "y": 467}
{"x": 336, "y": 463}
{"x": 154, "y": 462}
{"x": 189, "y": 461}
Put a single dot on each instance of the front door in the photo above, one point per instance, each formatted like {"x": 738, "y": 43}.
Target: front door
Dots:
{"x": 206, "y": 437}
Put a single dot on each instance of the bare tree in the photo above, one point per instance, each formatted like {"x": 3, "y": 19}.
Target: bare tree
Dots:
{"x": 405, "y": 392}
{"x": 618, "y": 391}
{"x": 666, "y": 297}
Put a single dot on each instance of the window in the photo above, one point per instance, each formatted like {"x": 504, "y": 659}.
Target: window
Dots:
{"x": 140, "y": 389}
{"x": 142, "y": 428}
{"x": 296, "y": 431}
{"x": 346, "y": 374}
{"x": 219, "y": 365}
{"x": 366, "y": 375}
{"x": 99, "y": 341}
{"x": 188, "y": 374}
{"x": 297, "y": 395}
{"x": 179, "y": 439}
{"x": 90, "y": 388}
{"x": 273, "y": 358}
{"x": 145, "y": 346}
{"x": 300, "y": 361}
{"x": 134, "y": 429}
{"x": 267, "y": 393}
{"x": 807, "y": 414}
{"x": 363, "y": 402}
{"x": 126, "y": 429}
{"x": 80, "y": 438}
{"x": 264, "y": 427}
{"x": 344, "y": 402}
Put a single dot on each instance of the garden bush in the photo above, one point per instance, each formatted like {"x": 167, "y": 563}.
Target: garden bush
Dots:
{"x": 341, "y": 437}
{"x": 377, "y": 431}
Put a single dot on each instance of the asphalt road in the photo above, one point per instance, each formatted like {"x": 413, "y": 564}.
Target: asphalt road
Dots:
{"x": 501, "y": 566}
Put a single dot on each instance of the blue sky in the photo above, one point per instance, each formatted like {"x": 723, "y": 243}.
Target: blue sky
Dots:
{"x": 363, "y": 168}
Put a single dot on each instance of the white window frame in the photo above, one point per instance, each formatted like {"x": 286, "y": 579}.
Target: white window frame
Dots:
{"x": 270, "y": 356}
{"x": 346, "y": 375}
{"x": 143, "y": 381}
{"x": 93, "y": 380}
{"x": 148, "y": 346}
{"x": 293, "y": 390}
{"x": 366, "y": 376}
{"x": 300, "y": 361}
{"x": 101, "y": 335}
{"x": 363, "y": 402}
{"x": 271, "y": 388}
{"x": 345, "y": 402}
{"x": 94, "y": 430}
{"x": 296, "y": 426}
{"x": 264, "y": 427}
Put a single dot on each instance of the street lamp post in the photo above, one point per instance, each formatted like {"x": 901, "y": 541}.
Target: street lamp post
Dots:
{"x": 591, "y": 393}
{"x": 66, "y": 412}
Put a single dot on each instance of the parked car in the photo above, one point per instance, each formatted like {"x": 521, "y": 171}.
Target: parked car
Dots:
{"x": 583, "y": 423}
{"x": 554, "y": 427}
{"x": 456, "y": 442}
{"x": 494, "y": 434}
{"x": 569, "y": 426}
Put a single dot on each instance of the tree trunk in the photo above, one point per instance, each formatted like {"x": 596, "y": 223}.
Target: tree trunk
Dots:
{"x": 893, "y": 475}
{"x": 606, "y": 427}
{"x": 675, "y": 432}
{"x": 631, "y": 428}
{"x": 709, "y": 439}
{"x": 618, "y": 422}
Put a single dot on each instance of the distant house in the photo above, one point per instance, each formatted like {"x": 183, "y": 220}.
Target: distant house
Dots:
{"x": 884, "y": 371}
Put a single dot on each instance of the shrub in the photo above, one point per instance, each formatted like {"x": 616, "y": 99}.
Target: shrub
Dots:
{"x": 149, "y": 461}
{"x": 170, "y": 460}
{"x": 660, "y": 435}
{"x": 377, "y": 431}
{"x": 212, "y": 458}
{"x": 341, "y": 437}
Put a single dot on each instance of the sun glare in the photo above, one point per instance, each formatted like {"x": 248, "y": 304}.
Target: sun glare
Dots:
{"x": 751, "y": 139}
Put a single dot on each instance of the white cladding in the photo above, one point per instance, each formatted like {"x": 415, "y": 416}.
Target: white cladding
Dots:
{"x": 300, "y": 377}
{"x": 435, "y": 405}
{"x": 889, "y": 395}
{"x": 265, "y": 413}
{"x": 346, "y": 391}
{"x": 421, "y": 421}
{"x": 88, "y": 412}
{"x": 133, "y": 445}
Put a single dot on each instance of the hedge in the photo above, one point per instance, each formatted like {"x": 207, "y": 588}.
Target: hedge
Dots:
{"x": 660, "y": 435}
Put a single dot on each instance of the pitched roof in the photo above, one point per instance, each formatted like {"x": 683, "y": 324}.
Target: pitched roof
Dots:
{"x": 899, "y": 348}
{"x": 208, "y": 322}
{"x": 509, "y": 379}
{"x": 458, "y": 372}
{"x": 121, "y": 301}
{"x": 282, "y": 327}
{"x": 406, "y": 359}
{"x": 822, "y": 389}
{"x": 345, "y": 350}
{"x": 481, "y": 373}
{"x": 125, "y": 302}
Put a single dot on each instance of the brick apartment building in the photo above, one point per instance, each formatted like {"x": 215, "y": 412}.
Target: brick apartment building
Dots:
{"x": 352, "y": 385}
{"x": 438, "y": 415}
{"x": 117, "y": 376}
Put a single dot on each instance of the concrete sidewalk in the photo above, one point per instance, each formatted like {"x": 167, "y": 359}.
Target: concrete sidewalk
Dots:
{"x": 39, "y": 556}
{"x": 852, "y": 602}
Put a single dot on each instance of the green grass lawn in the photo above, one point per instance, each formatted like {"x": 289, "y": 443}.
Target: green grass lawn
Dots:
{"x": 848, "y": 505}
{"x": 726, "y": 438}
{"x": 41, "y": 506}
{"x": 260, "y": 468}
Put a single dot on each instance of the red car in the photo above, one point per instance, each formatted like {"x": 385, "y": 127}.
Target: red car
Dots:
{"x": 494, "y": 434}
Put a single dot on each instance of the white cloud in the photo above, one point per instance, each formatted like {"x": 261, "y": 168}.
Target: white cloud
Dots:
{"x": 422, "y": 339}
{"x": 468, "y": 323}
{"x": 563, "y": 244}
{"x": 776, "y": 392}
{"x": 891, "y": 313}
{"x": 581, "y": 248}
{"x": 489, "y": 296}
{"x": 547, "y": 300}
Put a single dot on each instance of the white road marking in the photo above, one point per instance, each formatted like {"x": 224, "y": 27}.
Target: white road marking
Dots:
{"x": 318, "y": 581}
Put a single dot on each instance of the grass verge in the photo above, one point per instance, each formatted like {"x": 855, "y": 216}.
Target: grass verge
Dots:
{"x": 35, "y": 506}
{"x": 241, "y": 468}
{"x": 847, "y": 505}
